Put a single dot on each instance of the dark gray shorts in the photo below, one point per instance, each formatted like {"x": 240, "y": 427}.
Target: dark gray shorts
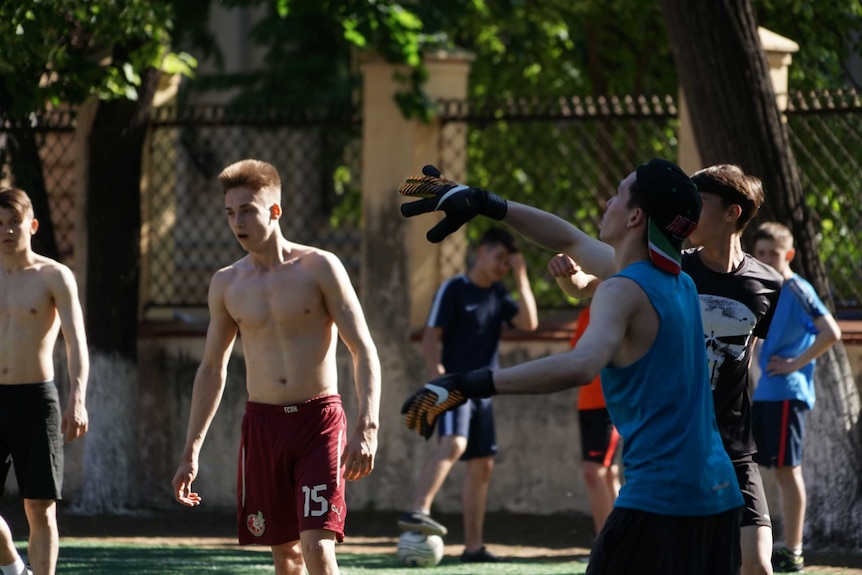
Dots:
{"x": 756, "y": 508}
{"x": 30, "y": 439}
{"x": 599, "y": 438}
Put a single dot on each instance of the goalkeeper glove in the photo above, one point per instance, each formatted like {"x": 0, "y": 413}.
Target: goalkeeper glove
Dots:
{"x": 423, "y": 408}
{"x": 460, "y": 203}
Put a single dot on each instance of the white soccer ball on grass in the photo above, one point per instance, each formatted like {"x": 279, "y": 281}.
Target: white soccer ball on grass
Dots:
{"x": 416, "y": 549}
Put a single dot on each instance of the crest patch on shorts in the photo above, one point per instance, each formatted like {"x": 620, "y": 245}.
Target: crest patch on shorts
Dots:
{"x": 256, "y": 524}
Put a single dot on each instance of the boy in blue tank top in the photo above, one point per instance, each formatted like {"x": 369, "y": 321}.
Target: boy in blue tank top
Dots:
{"x": 679, "y": 511}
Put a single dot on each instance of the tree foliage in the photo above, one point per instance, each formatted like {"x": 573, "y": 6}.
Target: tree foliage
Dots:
{"x": 829, "y": 33}
{"x": 61, "y": 51}
{"x": 523, "y": 49}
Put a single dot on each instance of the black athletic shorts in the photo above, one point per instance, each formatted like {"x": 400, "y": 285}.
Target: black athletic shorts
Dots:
{"x": 635, "y": 542}
{"x": 30, "y": 439}
{"x": 755, "y": 509}
{"x": 599, "y": 437}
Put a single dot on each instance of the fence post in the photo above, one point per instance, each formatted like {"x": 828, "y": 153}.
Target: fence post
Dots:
{"x": 394, "y": 147}
{"x": 399, "y": 269}
{"x": 779, "y": 51}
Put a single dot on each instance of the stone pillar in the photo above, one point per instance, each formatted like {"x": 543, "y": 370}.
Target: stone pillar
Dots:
{"x": 779, "y": 54}
{"x": 400, "y": 268}
{"x": 395, "y": 147}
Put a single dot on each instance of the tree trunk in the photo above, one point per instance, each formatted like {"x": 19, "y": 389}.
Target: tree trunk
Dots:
{"x": 725, "y": 78}
{"x": 27, "y": 170}
{"x": 114, "y": 220}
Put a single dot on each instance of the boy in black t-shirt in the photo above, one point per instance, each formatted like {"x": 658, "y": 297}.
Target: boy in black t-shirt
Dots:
{"x": 738, "y": 295}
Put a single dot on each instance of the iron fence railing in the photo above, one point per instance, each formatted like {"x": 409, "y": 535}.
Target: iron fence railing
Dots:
{"x": 563, "y": 155}
{"x": 317, "y": 155}
{"x": 824, "y": 130}
{"x": 566, "y": 156}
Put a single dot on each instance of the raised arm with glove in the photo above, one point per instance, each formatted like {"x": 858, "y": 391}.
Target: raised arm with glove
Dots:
{"x": 460, "y": 203}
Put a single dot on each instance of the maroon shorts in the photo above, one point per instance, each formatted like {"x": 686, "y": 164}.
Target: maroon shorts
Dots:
{"x": 290, "y": 476}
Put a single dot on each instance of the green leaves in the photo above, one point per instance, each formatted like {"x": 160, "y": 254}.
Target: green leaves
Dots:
{"x": 68, "y": 50}
{"x": 179, "y": 63}
{"x": 828, "y": 32}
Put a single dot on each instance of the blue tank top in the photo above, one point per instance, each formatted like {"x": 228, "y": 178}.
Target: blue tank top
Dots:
{"x": 674, "y": 460}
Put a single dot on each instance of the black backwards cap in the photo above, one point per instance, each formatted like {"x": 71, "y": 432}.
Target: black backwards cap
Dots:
{"x": 672, "y": 205}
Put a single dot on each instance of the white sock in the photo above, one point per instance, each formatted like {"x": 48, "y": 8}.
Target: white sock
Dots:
{"x": 797, "y": 551}
{"x": 16, "y": 568}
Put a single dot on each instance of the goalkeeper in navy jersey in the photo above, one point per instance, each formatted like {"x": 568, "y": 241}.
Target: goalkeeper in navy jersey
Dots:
{"x": 463, "y": 333}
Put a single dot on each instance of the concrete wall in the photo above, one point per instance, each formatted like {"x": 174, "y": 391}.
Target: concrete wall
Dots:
{"x": 134, "y": 446}
{"x": 537, "y": 469}
{"x": 129, "y": 457}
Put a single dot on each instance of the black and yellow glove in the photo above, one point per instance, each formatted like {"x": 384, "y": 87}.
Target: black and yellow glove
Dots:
{"x": 460, "y": 203}
{"x": 422, "y": 409}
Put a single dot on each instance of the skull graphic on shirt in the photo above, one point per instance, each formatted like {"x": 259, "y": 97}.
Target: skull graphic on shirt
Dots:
{"x": 727, "y": 327}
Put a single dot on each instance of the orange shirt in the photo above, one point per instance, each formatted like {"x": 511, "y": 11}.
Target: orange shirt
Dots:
{"x": 590, "y": 396}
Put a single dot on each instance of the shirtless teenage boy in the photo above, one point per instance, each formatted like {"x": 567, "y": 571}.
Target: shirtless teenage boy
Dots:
{"x": 289, "y": 302}
{"x": 38, "y": 298}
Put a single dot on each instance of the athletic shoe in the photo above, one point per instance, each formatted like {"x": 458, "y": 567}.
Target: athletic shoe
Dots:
{"x": 422, "y": 522}
{"x": 784, "y": 561}
{"x": 480, "y": 556}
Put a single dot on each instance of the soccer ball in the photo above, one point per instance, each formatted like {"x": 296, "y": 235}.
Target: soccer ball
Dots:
{"x": 416, "y": 549}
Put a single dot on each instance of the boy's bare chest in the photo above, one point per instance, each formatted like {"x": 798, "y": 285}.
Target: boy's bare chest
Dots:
{"x": 24, "y": 296}
{"x": 285, "y": 298}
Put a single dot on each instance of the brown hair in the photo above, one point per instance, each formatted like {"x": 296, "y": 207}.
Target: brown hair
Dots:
{"x": 773, "y": 231}
{"x": 733, "y": 186}
{"x": 16, "y": 200}
{"x": 252, "y": 174}
{"x": 499, "y": 236}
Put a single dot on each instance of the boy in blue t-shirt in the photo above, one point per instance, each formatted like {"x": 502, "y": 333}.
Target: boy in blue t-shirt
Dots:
{"x": 801, "y": 331}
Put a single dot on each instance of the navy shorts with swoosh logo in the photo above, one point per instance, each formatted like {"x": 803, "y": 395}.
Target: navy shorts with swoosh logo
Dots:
{"x": 475, "y": 421}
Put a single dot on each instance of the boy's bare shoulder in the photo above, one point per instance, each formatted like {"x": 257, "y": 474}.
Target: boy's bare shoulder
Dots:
{"x": 316, "y": 258}
{"x": 50, "y": 268}
{"x": 228, "y": 273}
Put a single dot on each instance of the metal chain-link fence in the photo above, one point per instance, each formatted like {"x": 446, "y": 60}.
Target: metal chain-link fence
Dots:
{"x": 567, "y": 156}
{"x": 563, "y": 155}
{"x": 54, "y": 132}
{"x": 187, "y": 236}
{"x": 825, "y": 131}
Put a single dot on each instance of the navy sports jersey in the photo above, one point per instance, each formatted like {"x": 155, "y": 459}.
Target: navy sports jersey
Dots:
{"x": 737, "y": 306}
{"x": 674, "y": 460}
{"x": 472, "y": 320}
